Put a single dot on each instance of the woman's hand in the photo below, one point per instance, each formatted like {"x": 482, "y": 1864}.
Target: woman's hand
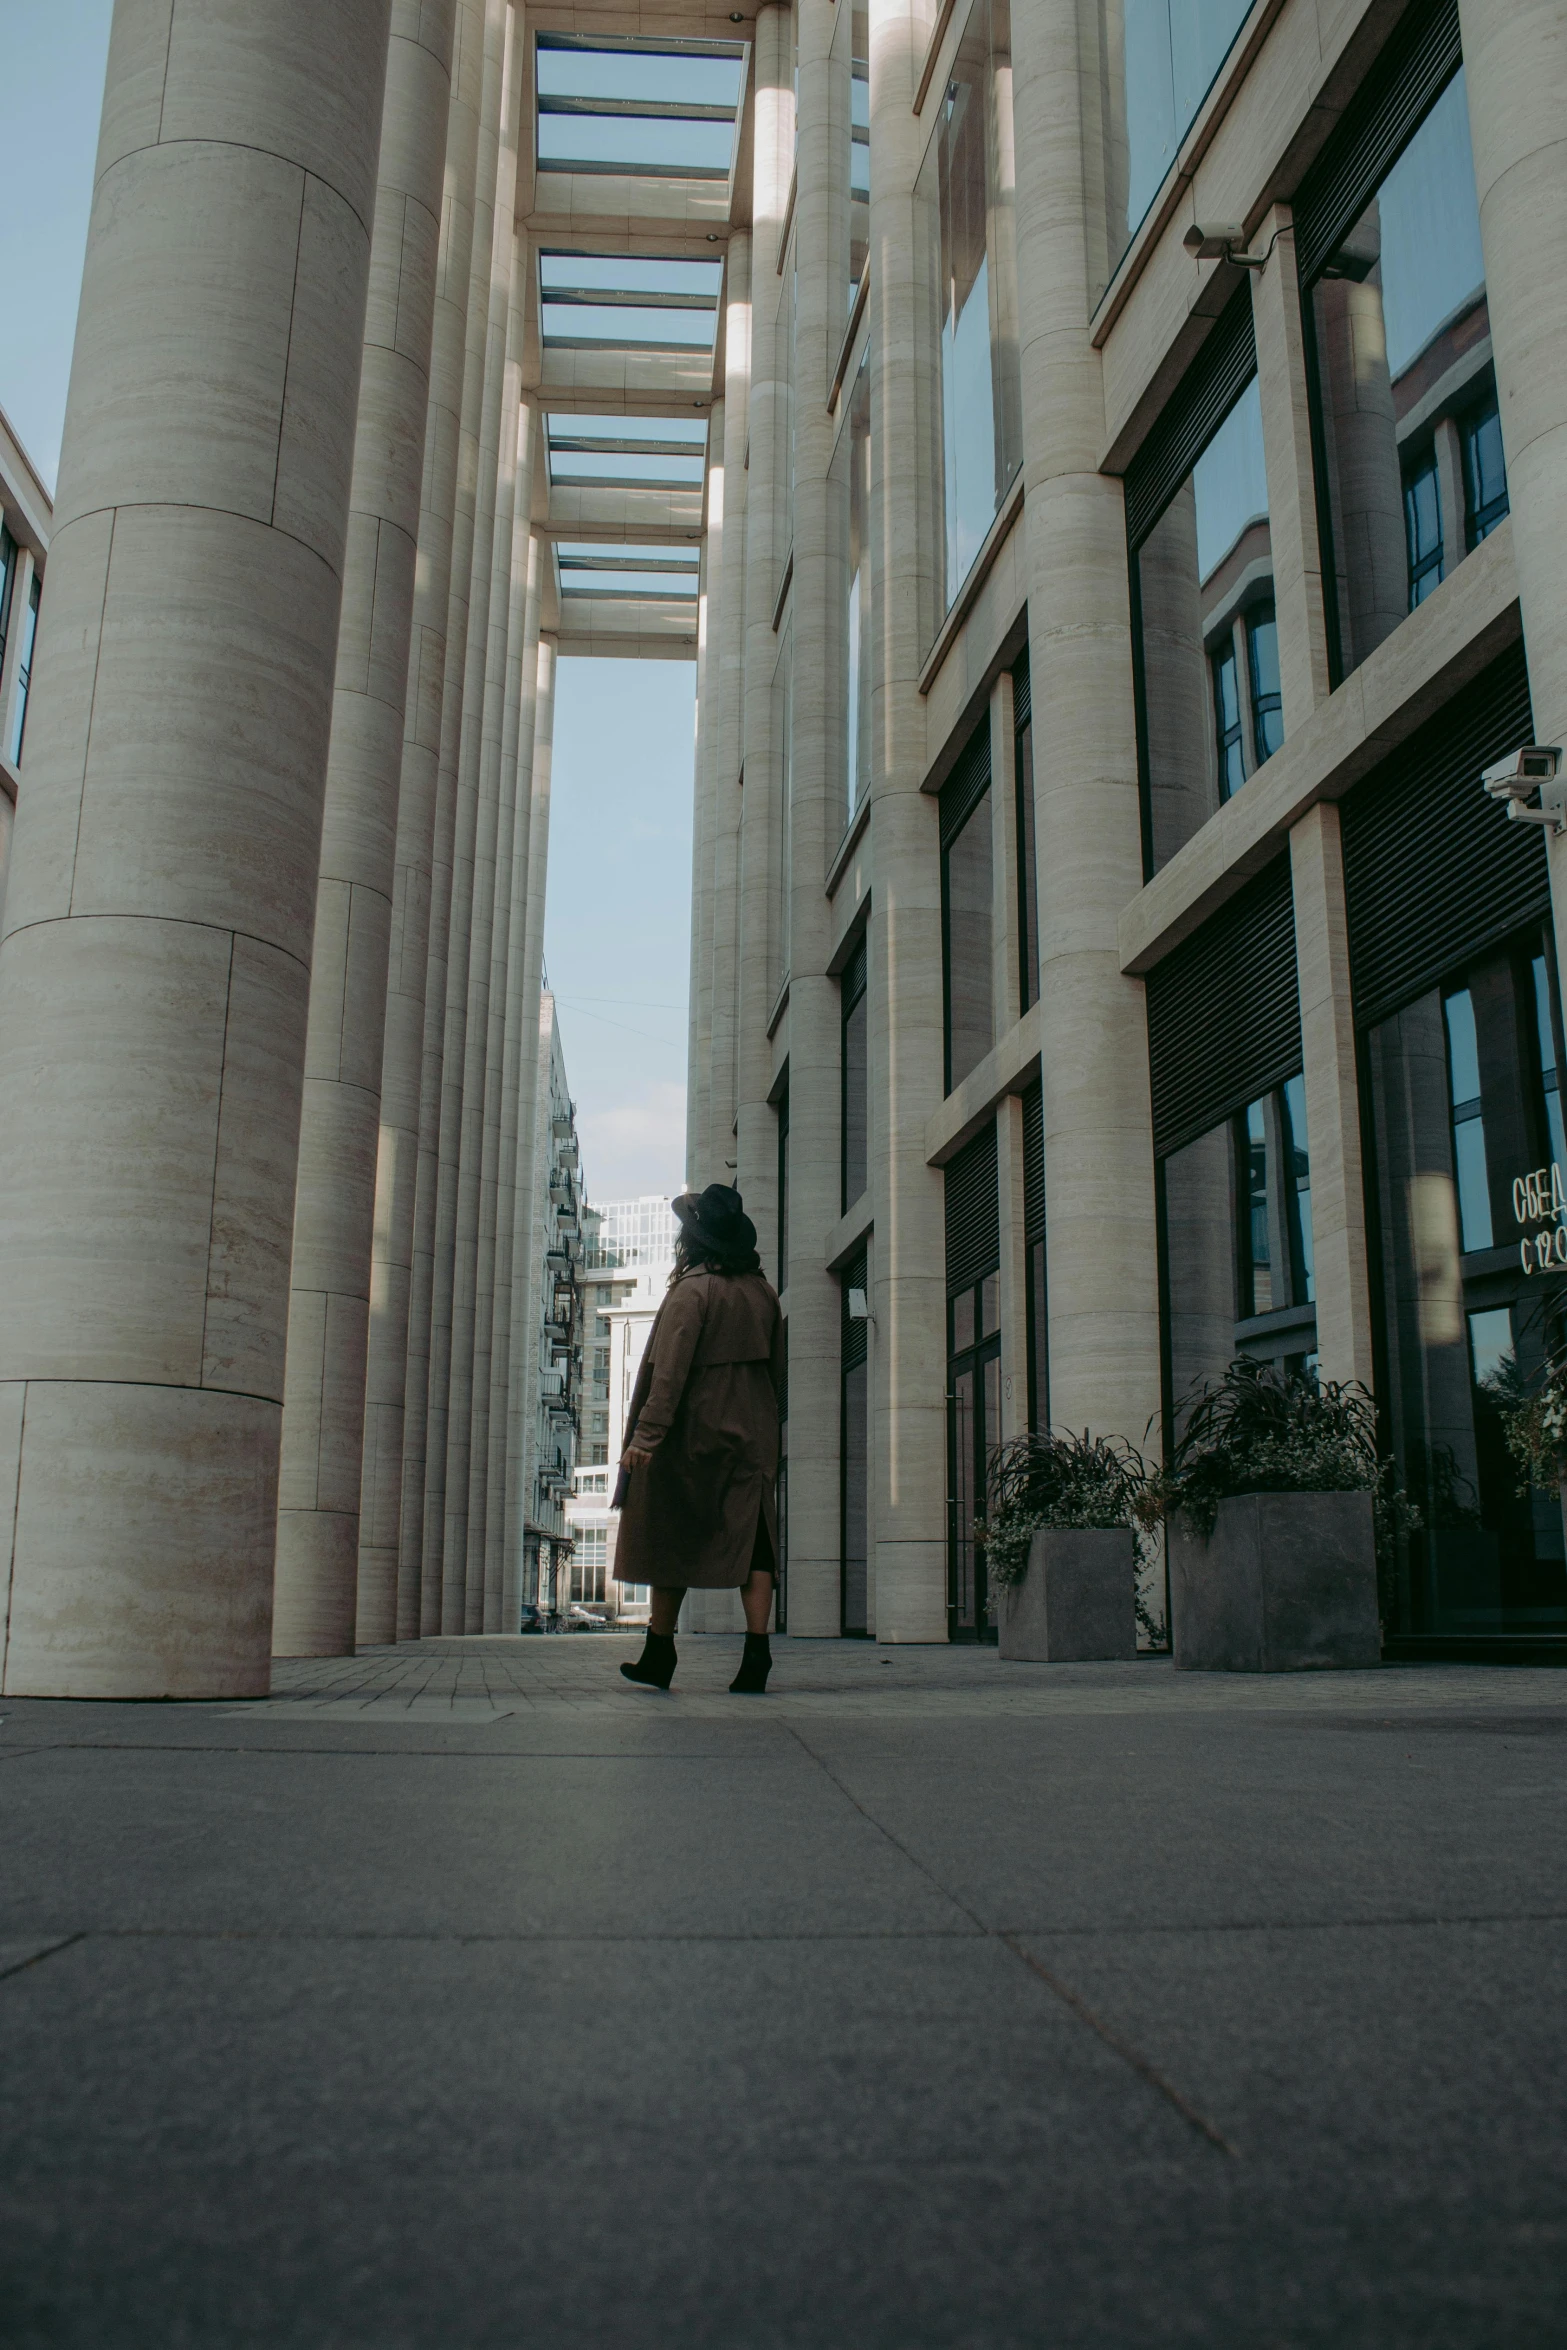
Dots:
{"x": 633, "y": 1458}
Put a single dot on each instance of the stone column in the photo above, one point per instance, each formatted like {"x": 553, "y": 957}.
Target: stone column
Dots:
{"x": 1327, "y": 1028}
{"x": 487, "y": 980}
{"x": 450, "y": 1372}
{"x": 699, "y": 1016}
{"x": 727, "y": 685}
{"x": 387, "y": 1609}
{"x": 1100, "y": 1243}
{"x": 1292, "y": 491}
{"x": 527, "y": 1259}
{"x": 816, "y": 781}
{"x": 154, "y": 978}
{"x": 421, "y": 1529}
{"x": 324, "y": 1382}
{"x": 766, "y": 550}
{"x": 502, "y": 1540}
{"x": 909, "y": 1356}
{"x": 1515, "y": 66}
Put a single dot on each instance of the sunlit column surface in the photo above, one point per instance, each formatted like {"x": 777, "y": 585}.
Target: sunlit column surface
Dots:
{"x": 527, "y": 1246}
{"x": 726, "y": 674}
{"x": 1101, "y": 1249}
{"x": 909, "y": 1452}
{"x": 324, "y": 1387}
{"x": 1515, "y": 69}
{"x": 815, "y": 782}
{"x": 388, "y": 1600}
{"x": 422, "y": 1525}
{"x": 503, "y": 1540}
{"x": 154, "y": 977}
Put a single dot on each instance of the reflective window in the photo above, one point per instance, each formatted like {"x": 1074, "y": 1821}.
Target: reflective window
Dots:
{"x": 1027, "y": 865}
{"x": 24, "y": 670}
{"x": 855, "y": 1080}
{"x": 1237, "y": 1239}
{"x": 964, "y": 208}
{"x": 852, "y": 481}
{"x": 854, "y": 1435}
{"x": 973, "y": 1432}
{"x": 967, "y": 871}
{"x": 1208, "y": 639}
{"x": 1159, "y": 58}
{"x": 8, "y": 566}
{"x": 1409, "y": 441}
{"x": 1467, "y": 1194}
{"x": 851, "y": 115}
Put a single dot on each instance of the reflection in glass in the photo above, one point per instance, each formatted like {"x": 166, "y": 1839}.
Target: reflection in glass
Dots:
{"x": 1237, "y": 1240}
{"x": 851, "y": 117}
{"x": 855, "y": 457}
{"x": 854, "y": 1428}
{"x": 1458, "y": 1105}
{"x": 1027, "y": 865}
{"x": 1411, "y": 453}
{"x": 966, "y": 875}
{"x": 856, "y": 1086}
{"x": 1463, "y": 1054}
{"x": 1212, "y": 709}
{"x": 964, "y": 203}
{"x": 1157, "y": 61}
{"x": 973, "y": 1432}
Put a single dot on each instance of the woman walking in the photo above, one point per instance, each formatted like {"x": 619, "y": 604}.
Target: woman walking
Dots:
{"x": 702, "y": 1438}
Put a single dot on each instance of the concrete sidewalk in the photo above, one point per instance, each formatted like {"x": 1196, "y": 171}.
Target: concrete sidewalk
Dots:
{"x": 461, "y": 1996}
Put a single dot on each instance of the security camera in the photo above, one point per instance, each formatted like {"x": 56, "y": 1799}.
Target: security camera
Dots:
{"x": 1533, "y": 770}
{"x": 1221, "y": 240}
{"x": 860, "y": 1307}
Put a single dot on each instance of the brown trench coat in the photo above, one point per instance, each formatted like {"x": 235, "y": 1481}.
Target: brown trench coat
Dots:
{"x": 706, "y": 1406}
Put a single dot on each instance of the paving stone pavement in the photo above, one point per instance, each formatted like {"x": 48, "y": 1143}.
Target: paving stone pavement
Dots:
{"x": 458, "y": 1995}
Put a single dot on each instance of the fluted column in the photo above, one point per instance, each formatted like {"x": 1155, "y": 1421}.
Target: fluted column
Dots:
{"x": 699, "y": 1015}
{"x": 817, "y": 783}
{"x": 726, "y": 684}
{"x": 502, "y": 1539}
{"x": 909, "y": 1444}
{"x": 760, "y": 951}
{"x": 1100, "y": 1241}
{"x": 329, "y": 1309}
{"x": 388, "y": 1608}
{"x": 451, "y": 1316}
{"x": 154, "y": 976}
{"x": 421, "y": 1527}
{"x": 527, "y": 1252}
{"x": 468, "y": 1445}
{"x": 1515, "y": 68}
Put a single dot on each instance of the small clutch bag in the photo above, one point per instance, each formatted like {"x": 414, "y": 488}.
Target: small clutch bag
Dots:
{"x": 622, "y": 1487}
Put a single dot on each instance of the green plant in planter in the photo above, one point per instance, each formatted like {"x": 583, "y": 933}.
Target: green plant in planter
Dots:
{"x": 1036, "y": 1482}
{"x": 1261, "y": 1429}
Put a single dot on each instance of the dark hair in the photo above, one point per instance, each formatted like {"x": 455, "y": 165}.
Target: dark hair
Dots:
{"x": 700, "y": 1256}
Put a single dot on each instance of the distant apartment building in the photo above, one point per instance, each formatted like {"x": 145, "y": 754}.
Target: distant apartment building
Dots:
{"x": 558, "y": 1333}
{"x": 626, "y": 1270}
{"x": 26, "y": 518}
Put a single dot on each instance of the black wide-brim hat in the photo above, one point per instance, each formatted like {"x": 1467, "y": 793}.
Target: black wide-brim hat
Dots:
{"x": 717, "y": 1220}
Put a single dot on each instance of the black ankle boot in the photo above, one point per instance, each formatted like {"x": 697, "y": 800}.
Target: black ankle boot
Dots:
{"x": 656, "y": 1664}
{"x": 755, "y": 1665}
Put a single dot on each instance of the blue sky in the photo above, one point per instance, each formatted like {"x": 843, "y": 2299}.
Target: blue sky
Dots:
{"x": 617, "y": 927}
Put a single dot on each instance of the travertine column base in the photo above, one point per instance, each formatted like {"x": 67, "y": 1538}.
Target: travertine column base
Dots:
{"x": 154, "y": 973}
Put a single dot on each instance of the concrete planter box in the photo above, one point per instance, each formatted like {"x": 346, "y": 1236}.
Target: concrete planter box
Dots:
{"x": 1075, "y": 1603}
{"x": 1287, "y": 1584}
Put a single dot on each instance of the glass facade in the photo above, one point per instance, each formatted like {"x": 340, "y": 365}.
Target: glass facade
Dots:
{"x": 851, "y": 115}
{"x": 854, "y": 1430}
{"x": 1208, "y": 642}
{"x": 1467, "y": 1193}
{"x": 1410, "y": 469}
{"x": 967, "y": 866}
{"x": 964, "y": 204}
{"x": 1157, "y": 61}
{"x": 1027, "y": 862}
{"x": 852, "y": 468}
{"x": 24, "y": 672}
{"x": 973, "y": 1432}
{"x": 1237, "y": 1244}
{"x": 856, "y": 1080}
